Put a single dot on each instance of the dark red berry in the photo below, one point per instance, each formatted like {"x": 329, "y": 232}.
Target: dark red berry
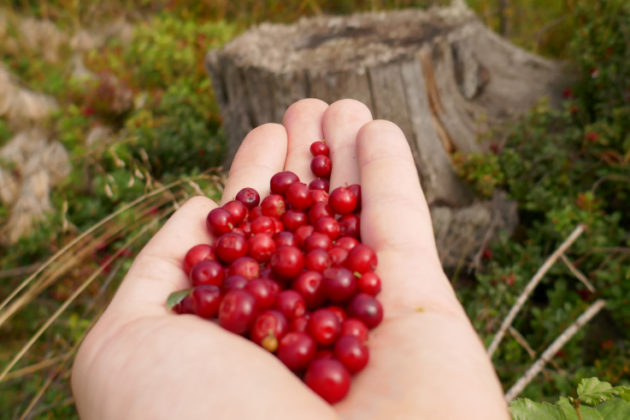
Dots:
{"x": 342, "y": 200}
{"x": 234, "y": 282}
{"x": 281, "y": 181}
{"x": 237, "y": 311}
{"x": 310, "y": 284}
{"x": 352, "y": 353}
{"x": 324, "y": 326}
{"x": 230, "y": 247}
{"x": 249, "y": 197}
{"x": 273, "y": 206}
{"x": 319, "y": 196}
{"x": 356, "y": 190}
{"x": 219, "y": 221}
{"x": 277, "y": 226}
{"x": 302, "y": 233}
{"x": 293, "y": 219}
{"x": 355, "y": 328}
{"x": 261, "y": 246}
{"x": 264, "y": 290}
{"x": 317, "y": 211}
{"x": 319, "y": 148}
{"x": 299, "y": 324}
{"x": 287, "y": 262}
{"x": 321, "y": 165}
{"x": 328, "y": 226}
{"x": 237, "y": 210}
{"x": 319, "y": 184}
{"x": 369, "y": 283}
{"x": 350, "y": 225}
{"x": 347, "y": 242}
{"x": 284, "y": 238}
{"x": 263, "y": 224}
{"x": 196, "y": 254}
{"x": 317, "y": 260}
{"x": 207, "y": 298}
{"x": 246, "y": 267}
{"x": 186, "y": 305}
{"x": 298, "y": 196}
{"x": 255, "y": 213}
{"x": 367, "y": 309}
{"x": 329, "y": 379}
{"x": 340, "y": 313}
{"x": 362, "y": 258}
{"x": 290, "y": 303}
{"x": 317, "y": 240}
{"x": 207, "y": 272}
{"x": 296, "y": 350}
{"x": 269, "y": 323}
{"x": 337, "y": 256}
{"x": 340, "y": 284}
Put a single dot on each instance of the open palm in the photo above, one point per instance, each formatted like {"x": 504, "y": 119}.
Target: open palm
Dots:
{"x": 141, "y": 361}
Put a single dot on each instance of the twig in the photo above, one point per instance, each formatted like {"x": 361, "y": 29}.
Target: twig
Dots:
{"x": 521, "y": 340}
{"x": 577, "y": 273}
{"x": 530, "y": 288}
{"x": 557, "y": 344}
{"x": 18, "y": 271}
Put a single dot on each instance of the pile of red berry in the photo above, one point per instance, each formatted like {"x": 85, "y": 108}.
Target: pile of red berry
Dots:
{"x": 291, "y": 274}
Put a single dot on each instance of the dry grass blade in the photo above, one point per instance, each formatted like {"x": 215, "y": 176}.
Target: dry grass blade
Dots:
{"x": 36, "y": 367}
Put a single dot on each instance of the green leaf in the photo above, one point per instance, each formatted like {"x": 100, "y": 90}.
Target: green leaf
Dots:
{"x": 567, "y": 409}
{"x": 176, "y": 297}
{"x": 526, "y": 409}
{"x": 623, "y": 392}
{"x": 615, "y": 409}
{"x": 592, "y": 391}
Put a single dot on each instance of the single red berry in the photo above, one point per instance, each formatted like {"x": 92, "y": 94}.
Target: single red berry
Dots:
{"x": 342, "y": 200}
{"x": 293, "y": 219}
{"x": 237, "y": 210}
{"x": 234, "y": 282}
{"x": 340, "y": 284}
{"x": 273, "y": 205}
{"x": 230, "y": 247}
{"x": 317, "y": 240}
{"x": 302, "y": 233}
{"x": 319, "y": 148}
{"x": 310, "y": 284}
{"x": 356, "y": 190}
{"x": 367, "y": 309}
{"x": 290, "y": 303}
{"x": 329, "y": 379}
{"x": 328, "y": 226}
{"x": 369, "y": 283}
{"x": 186, "y": 305}
{"x": 321, "y": 165}
{"x": 284, "y": 238}
{"x": 269, "y": 323}
{"x": 261, "y": 246}
{"x": 347, "y": 243}
{"x": 350, "y": 225}
{"x": 299, "y": 323}
{"x": 281, "y": 181}
{"x": 263, "y": 224}
{"x": 324, "y": 326}
{"x": 319, "y": 196}
{"x": 298, "y": 196}
{"x": 255, "y": 213}
{"x": 196, "y": 254}
{"x": 319, "y": 184}
{"x": 219, "y": 222}
{"x": 207, "y": 272}
{"x": 362, "y": 258}
{"x": 337, "y": 256}
{"x": 249, "y": 197}
{"x": 340, "y": 313}
{"x": 246, "y": 267}
{"x": 319, "y": 210}
{"x": 264, "y": 290}
{"x": 356, "y": 328}
{"x": 237, "y": 311}
{"x": 352, "y": 353}
{"x": 287, "y": 262}
{"x": 207, "y": 299}
{"x": 278, "y": 226}
{"x": 296, "y": 350}
{"x": 317, "y": 260}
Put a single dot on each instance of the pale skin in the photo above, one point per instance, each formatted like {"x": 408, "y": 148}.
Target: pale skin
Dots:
{"x": 141, "y": 361}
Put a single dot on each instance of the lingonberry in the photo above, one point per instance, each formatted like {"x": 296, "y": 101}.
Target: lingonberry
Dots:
{"x": 342, "y": 200}
{"x": 249, "y": 197}
{"x": 269, "y": 323}
{"x": 317, "y": 240}
{"x": 196, "y": 254}
{"x": 287, "y": 262}
{"x": 319, "y": 196}
{"x": 284, "y": 238}
{"x": 246, "y": 266}
{"x": 230, "y": 247}
{"x": 328, "y": 226}
{"x": 321, "y": 166}
{"x": 207, "y": 298}
{"x": 367, "y": 309}
{"x": 293, "y": 219}
{"x": 355, "y": 328}
{"x": 324, "y": 354}
{"x": 264, "y": 290}
{"x": 254, "y": 213}
{"x": 340, "y": 284}
{"x": 362, "y": 258}
{"x": 317, "y": 260}
{"x": 238, "y": 211}
{"x": 281, "y": 181}
{"x": 298, "y": 196}
{"x": 324, "y": 326}
{"x": 299, "y": 323}
{"x": 319, "y": 184}
{"x": 337, "y": 256}
{"x": 277, "y": 226}
{"x": 261, "y": 246}
{"x": 237, "y": 311}
{"x": 369, "y": 283}
{"x": 317, "y": 211}
{"x": 207, "y": 272}
{"x": 339, "y": 313}
{"x": 302, "y": 233}
{"x": 296, "y": 350}
{"x": 350, "y": 225}
{"x": 319, "y": 148}
{"x": 273, "y": 206}
{"x": 263, "y": 224}
{"x": 234, "y": 282}
{"x": 347, "y": 242}
{"x": 186, "y": 305}
{"x": 356, "y": 190}
{"x": 350, "y": 351}
{"x": 219, "y": 221}
{"x": 290, "y": 303}
{"x": 310, "y": 284}
{"x": 328, "y": 378}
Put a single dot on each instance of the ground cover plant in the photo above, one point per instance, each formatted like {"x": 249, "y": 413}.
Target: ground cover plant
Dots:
{"x": 144, "y": 89}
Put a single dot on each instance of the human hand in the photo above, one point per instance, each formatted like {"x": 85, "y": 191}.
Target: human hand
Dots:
{"x": 142, "y": 361}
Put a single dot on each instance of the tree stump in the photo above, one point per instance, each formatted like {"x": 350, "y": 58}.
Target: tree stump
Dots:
{"x": 440, "y": 74}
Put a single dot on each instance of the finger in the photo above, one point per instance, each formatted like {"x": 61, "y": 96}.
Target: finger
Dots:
{"x": 303, "y": 122}
{"x": 262, "y": 154}
{"x": 157, "y": 270}
{"x": 396, "y": 222}
{"x": 340, "y": 124}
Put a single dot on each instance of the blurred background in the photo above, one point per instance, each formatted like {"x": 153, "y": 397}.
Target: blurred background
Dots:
{"x": 108, "y": 123}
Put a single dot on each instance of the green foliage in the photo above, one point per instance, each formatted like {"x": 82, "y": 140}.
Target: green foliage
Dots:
{"x": 595, "y": 400}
